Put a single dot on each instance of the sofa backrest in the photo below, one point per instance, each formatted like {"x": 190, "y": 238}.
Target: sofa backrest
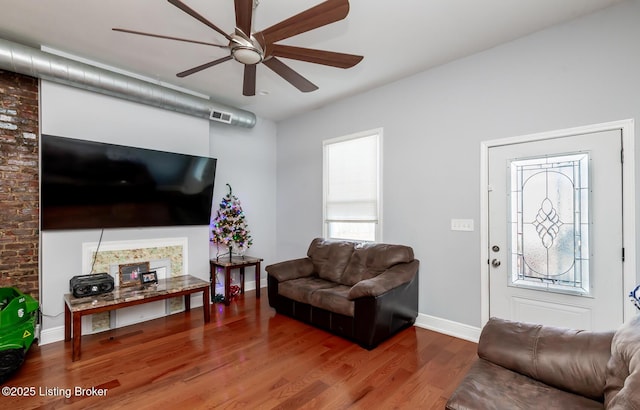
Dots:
{"x": 349, "y": 262}
{"x": 371, "y": 259}
{"x": 571, "y": 360}
{"x": 330, "y": 257}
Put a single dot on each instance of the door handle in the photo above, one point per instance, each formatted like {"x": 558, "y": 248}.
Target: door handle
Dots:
{"x": 495, "y": 263}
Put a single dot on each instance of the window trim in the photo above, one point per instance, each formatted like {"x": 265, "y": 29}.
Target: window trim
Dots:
{"x": 378, "y": 132}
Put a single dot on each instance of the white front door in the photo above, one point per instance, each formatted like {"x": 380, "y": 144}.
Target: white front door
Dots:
{"x": 555, "y": 231}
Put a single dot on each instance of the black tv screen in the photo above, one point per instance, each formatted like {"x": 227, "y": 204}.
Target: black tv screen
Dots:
{"x": 87, "y": 185}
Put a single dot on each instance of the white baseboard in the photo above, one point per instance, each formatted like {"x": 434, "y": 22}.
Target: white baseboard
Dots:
{"x": 448, "y": 327}
{"x": 55, "y": 334}
{"x": 436, "y": 324}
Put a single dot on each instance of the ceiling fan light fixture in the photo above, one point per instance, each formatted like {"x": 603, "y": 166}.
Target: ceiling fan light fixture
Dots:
{"x": 246, "y": 55}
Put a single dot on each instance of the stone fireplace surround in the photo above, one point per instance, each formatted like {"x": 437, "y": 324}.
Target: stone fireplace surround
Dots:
{"x": 167, "y": 256}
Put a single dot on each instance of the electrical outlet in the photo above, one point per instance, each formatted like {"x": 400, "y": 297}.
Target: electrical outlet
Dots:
{"x": 462, "y": 225}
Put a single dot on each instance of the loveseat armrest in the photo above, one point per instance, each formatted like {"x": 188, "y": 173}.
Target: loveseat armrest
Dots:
{"x": 291, "y": 269}
{"x": 571, "y": 360}
{"x": 391, "y": 278}
{"x": 622, "y": 390}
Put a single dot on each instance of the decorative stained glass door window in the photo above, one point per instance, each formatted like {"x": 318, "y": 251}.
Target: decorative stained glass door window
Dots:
{"x": 549, "y": 223}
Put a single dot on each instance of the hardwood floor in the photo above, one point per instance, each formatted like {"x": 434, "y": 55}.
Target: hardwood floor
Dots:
{"x": 248, "y": 357}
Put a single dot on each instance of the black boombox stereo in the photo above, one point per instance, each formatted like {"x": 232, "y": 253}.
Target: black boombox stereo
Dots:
{"x": 91, "y": 285}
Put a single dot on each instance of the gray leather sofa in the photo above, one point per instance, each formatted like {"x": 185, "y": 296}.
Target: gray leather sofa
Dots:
{"x": 527, "y": 366}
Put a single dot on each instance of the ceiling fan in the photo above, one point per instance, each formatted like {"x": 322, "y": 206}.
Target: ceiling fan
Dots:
{"x": 251, "y": 49}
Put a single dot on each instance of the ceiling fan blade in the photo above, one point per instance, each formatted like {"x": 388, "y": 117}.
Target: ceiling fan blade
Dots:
{"x": 244, "y": 12}
{"x": 124, "y": 30}
{"x": 309, "y": 55}
{"x": 203, "y": 66}
{"x": 324, "y": 13}
{"x": 290, "y": 75}
{"x": 249, "y": 84}
{"x": 198, "y": 17}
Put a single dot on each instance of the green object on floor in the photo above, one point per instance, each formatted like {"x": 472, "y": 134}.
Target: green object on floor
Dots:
{"x": 17, "y": 329}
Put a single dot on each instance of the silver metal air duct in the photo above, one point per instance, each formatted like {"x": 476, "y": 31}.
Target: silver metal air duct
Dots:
{"x": 30, "y": 61}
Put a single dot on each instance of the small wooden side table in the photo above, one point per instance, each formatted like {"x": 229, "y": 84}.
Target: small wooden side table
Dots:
{"x": 235, "y": 262}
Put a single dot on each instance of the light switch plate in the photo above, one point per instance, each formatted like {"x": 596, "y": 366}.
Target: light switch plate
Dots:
{"x": 462, "y": 225}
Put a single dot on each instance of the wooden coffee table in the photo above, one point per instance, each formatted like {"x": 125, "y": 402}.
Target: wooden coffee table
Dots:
{"x": 122, "y": 297}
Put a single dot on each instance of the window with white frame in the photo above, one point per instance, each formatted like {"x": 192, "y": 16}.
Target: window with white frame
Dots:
{"x": 352, "y": 187}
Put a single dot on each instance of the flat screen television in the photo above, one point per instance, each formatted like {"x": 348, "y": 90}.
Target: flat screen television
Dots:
{"x": 88, "y": 185}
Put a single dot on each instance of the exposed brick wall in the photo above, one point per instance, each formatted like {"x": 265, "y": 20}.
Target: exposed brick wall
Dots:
{"x": 19, "y": 185}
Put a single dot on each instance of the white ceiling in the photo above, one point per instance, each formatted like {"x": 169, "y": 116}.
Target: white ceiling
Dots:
{"x": 397, "y": 38}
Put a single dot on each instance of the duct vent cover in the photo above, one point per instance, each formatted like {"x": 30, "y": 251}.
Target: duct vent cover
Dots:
{"x": 220, "y": 116}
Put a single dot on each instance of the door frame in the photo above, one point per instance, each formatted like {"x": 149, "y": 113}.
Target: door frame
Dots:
{"x": 628, "y": 204}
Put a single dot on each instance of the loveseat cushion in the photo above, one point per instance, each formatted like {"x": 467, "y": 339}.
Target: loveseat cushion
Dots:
{"x": 622, "y": 390}
{"x": 334, "y": 299}
{"x": 371, "y": 259}
{"x": 301, "y": 289}
{"x": 488, "y": 386}
{"x": 330, "y": 257}
{"x": 572, "y": 360}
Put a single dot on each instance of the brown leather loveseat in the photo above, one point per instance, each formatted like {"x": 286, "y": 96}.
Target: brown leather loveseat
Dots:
{"x": 527, "y": 366}
{"x": 365, "y": 292}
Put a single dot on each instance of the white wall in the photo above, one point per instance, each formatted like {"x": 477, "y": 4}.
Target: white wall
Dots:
{"x": 75, "y": 113}
{"x": 247, "y": 162}
{"x": 579, "y": 73}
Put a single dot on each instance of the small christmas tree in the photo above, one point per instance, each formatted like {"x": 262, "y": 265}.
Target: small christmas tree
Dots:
{"x": 229, "y": 226}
